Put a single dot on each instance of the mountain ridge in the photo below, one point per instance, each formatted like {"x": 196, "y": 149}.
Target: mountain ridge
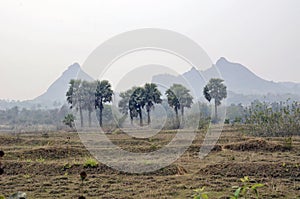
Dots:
{"x": 57, "y": 90}
{"x": 240, "y": 81}
{"x": 243, "y": 85}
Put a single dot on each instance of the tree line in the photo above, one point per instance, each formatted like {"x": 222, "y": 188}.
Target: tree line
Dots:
{"x": 89, "y": 96}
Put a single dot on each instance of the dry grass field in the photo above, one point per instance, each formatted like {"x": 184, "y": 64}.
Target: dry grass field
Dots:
{"x": 48, "y": 165}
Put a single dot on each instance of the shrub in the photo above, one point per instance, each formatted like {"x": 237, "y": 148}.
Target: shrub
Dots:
{"x": 90, "y": 163}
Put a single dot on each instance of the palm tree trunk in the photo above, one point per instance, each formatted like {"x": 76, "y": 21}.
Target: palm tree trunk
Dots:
{"x": 90, "y": 118}
{"x": 100, "y": 117}
{"x": 81, "y": 116}
{"x": 182, "y": 116}
{"x": 131, "y": 120}
{"x": 216, "y": 111}
{"x": 149, "y": 120}
{"x": 141, "y": 117}
{"x": 131, "y": 117}
{"x": 177, "y": 118}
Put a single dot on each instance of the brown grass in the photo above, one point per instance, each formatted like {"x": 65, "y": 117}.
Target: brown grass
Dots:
{"x": 49, "y": 167}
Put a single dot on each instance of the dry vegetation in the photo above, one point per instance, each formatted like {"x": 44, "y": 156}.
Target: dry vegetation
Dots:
{"x": 49, "y": 166}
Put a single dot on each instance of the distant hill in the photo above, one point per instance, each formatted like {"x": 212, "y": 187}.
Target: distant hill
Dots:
{"x": 57, "y": 90}
{"x": 244, "y": 85}
{"x": 241, "y": 80}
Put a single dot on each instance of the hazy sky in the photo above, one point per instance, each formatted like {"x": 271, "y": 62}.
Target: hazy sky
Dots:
{"x": 39, "y": 39}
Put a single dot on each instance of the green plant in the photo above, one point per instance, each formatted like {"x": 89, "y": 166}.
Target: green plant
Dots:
{"x": 90, "y": 163}
{"x": 288, "y": 142}
{"x": 69, "y": 120}
{"x": 41, "y": 160}
{"x": 200, "y": 194}
{"x": 2, "y": 197}
{"x": 275, "y": 119}
{"x": 27, "y": 176}
{"x": 66, "y": 166}
{"x": 246, "y": 189}
{"x": 153, "y": 147}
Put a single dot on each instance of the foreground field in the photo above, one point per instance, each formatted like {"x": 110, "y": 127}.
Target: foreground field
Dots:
{"x": 48, "y": 165}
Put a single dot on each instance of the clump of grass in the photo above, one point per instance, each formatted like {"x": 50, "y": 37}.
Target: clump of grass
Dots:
{"x": 66, "y": 167}
{"x": 246, "y": 189}
{"x": 288, "y": 142}
{"x": 27, "y": 176}
{"x": 200, "y": 194}
{"x": 90, "y": 163}
{"x": 40, "y": 160}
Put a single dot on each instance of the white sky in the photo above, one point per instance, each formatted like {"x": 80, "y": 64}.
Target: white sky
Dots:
{"x": 39, "y": 39}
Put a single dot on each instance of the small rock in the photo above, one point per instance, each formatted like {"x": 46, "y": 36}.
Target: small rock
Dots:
{"x": 18, "y": 195}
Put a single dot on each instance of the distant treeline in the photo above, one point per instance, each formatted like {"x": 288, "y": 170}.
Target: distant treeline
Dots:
{"x": 17, "y": 116}
{"x": 259, "y": 118}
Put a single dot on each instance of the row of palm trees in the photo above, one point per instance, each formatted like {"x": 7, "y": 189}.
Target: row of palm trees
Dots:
{"x": 138, "y": 98}
{"x": 84, "y": 95}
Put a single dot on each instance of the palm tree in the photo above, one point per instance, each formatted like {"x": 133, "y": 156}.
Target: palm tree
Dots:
{"x": 137, "y": 102}
{"x": 89, "y": 89}
{"x": 103, "y": 94}
{"x": 124, "y": 104}
{"x": 152, "y": 96}
{"x": 215, "y": 89}
{"x": 173, "y": 103}
{"x": 179, "y": 97}
{"x": 75, "y": 97}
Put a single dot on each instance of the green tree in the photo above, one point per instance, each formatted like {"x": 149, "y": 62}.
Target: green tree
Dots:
{"x": 103, "y": 94}
{"x": 137, "y": 102}
{"x": 69, "y": 120}
{"x": 215, "y": 89}
{"x": 179, "y": 97}
{"x": 75, "y": 97}
{"x": 152, "y": 96}
{"x": 88, "y": 90}
{"x": 124, "y": 104}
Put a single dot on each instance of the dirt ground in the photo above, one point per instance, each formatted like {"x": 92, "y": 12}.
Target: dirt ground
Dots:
{"x": 48, "y": 165}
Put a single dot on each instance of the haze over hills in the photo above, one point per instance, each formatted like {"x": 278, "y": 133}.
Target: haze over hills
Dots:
{"x": 55, "y": 94}
{"x": 240, "y": 79}
{"x": 57, "y": 90}
{"x": 243, "y": 85}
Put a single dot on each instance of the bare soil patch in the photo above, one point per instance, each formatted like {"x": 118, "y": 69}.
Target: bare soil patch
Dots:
{"x": 256, "y": 145}
{"x": 258, "y": 170}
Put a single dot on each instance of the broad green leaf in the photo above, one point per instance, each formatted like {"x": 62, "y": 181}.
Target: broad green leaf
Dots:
{"x": 237, "y": 192}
